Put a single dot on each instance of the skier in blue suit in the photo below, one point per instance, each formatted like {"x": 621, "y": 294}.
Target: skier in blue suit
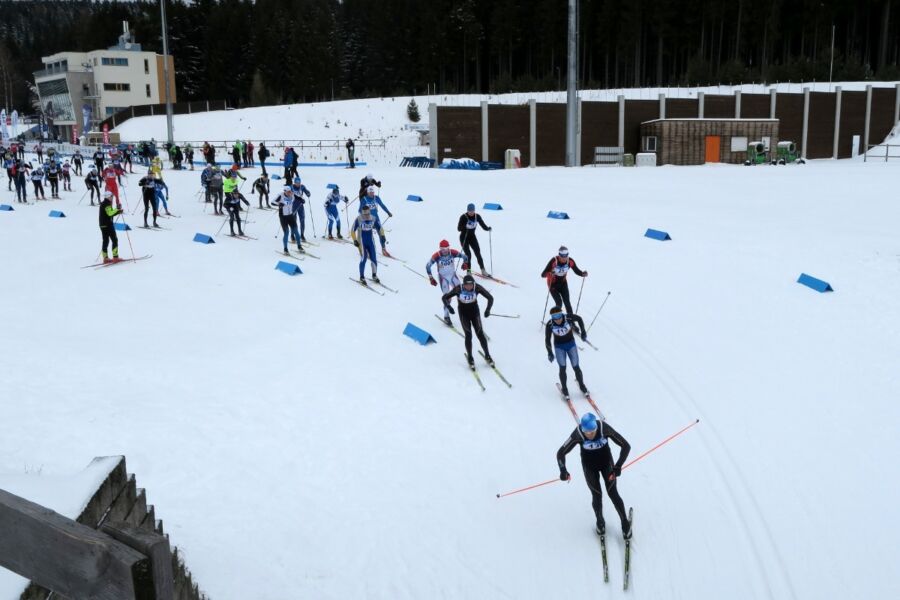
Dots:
{"x": 331, "y": 210}
{"x": 372, "y": 201}
{"x": 300, "y": 190}
{"x": 363, "y": 233}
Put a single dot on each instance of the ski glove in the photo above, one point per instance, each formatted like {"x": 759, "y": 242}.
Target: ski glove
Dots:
{"x": 564, "y": 475}
{"x": 583, "y": 337}
{"x": 617, "y": 471}
{"x": 356, "y": 243}
{"x": 390, "y": 214}
{"x": 450, "y": 308}
{"x": 466, "y": 267}
{"x": 487, "y": 313}
{"x": 550, "y": 356}
{"x": 433, "y": 282}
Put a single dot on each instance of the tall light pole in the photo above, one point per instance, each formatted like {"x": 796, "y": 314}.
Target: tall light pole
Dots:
{"x": 571, "y": 92}
{"x": 165, "y": 42}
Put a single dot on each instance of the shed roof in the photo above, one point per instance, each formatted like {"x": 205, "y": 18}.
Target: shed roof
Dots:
{"x": 710, "y": 120}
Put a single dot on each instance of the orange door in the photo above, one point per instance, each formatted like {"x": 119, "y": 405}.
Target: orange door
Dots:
{"x": 712, "y": 148}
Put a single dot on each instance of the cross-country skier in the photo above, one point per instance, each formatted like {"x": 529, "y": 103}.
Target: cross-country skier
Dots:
{"x": 8, "y": 164}
{"x": 469, "y": 315}
{"x": 127, "y": 156}
{"x": 331, "y": 210}
{"x": 39, "y": 150}
{"x": 149, "y": 194}
{"x": 263, "y": 154}
{"x": 111, "y": 180}
{"x": 67, "y": 176}
{"x": 37, "y": 180}
{"x": 233, "y": 199}
{"x": 215, "y": 187}
{"x": 365, "y": 183}
{"x": 287, "y": 216}
{"x": 563, "y": 328}
{"x": 362, "y": 232}
{"x": 77, "y": 161}
{"x": 555, "y": 273}
{"x": 373, "y": 201}
{"x": 468, "y": 222}
{"x": 107, "y": 227}
{"x": 593, "y": 436}
{"x": 351, "y": 150}
{"x": 205, "y": 174}
{"x": 189, "y": 154}
{"x": 261, "y": 185}
{"x": 300, "y": 190}
{"x": 92, "y": 181}
{"x": 53, "y": 179}
{"x": 98, "y": 159}
{"x": 20, "y": 178}
{"x": 162, "y": 194}
{"x": 445, "y": 259}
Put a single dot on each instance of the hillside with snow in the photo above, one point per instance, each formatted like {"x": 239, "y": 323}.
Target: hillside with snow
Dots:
{"x": 298, "y": 445}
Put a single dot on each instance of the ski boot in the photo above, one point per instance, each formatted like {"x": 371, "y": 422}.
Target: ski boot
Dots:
{"x": 330, "y": 237}
{"x": 626, "y": 530}
{"x": 485, "y": 274}
{"x": 582, "y": 387}
{"x": 362, "y": 281}
{"x": 286, "y": 253}
{"x": 303, "y": 238}
{"x": 565, "y": 390}
{"x": 601, "y": 526}
{"x": 375, "y": 278}
{"x": 448, "y": 321}
{"x": 471, "y": 361}
{"x": 340, "y": 237}
{"x": 300, "y": 249}
{"x": 489, "y": 360}
{"x": 107, "y": 260}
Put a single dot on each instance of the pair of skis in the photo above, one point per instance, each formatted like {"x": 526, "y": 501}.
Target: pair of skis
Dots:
{"x": 372, "y": 289}
{"x": 102, "y": 265}
{"x": 627, "y": 567}
{"x": 494, "y": 279}
{"x": 478, "y": 377}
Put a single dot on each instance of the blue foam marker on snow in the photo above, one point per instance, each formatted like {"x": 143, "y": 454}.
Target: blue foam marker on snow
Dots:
{"x": 331, "y": 186}
{"x": 492, "y": 206}
{"x": 122, "y": 227}
{"x": 57, "y": 214}
{"x": 412, "y": 198}
{"x": 420, "y": 335}
{"x": 655, "y": 234}
{"x": 203, "y": 238}
{"x": 553, "y": 214}
{"x": 816, "y": 284}
{"x": 6, "y": 207}
{"x": 289, "y": 268}
{"x": 275, "y": 177}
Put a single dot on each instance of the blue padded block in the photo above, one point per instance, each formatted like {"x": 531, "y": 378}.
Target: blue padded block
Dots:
{"x": 492, "y": 206}
{"x": 122, "y": 227}
{"x": 557, "y": 215}
{"x": 275, "y": 177}
{"x": 289, "y": 268}
{"x": 412, "y": 198}
{"x": 331, "y": 186}
{"x": 816, "y": 284}
{"x": 203, "y": 238}
{"x": 657, "y": 235}
{"x": 420, "y": 335}
{"x": 6, "y": 207}
{"x": 57, "y": 213}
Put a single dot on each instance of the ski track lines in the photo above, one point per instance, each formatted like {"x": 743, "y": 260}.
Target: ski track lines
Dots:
{"x": 715, "y": 449}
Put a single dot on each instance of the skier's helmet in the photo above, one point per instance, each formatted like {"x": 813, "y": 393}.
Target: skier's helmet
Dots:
{"x": 288, "y": 189}
{"x": 370, "y": 177}
{"x": 108, "y": 195}
{"x": 556, "y": 313}
{"x": 444, "y": 247}
{"x": 588, "y": 423}
{"x": 563, "y": 252}
{"x": 470, "y": 208}
{"x": 468, "y": 280}
{"x": 297, "y": 181}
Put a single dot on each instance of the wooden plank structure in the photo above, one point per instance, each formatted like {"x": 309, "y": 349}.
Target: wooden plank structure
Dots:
{"x": 688, "y": 141}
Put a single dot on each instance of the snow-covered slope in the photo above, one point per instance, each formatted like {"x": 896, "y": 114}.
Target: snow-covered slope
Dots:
{"x": 300, "y": 446}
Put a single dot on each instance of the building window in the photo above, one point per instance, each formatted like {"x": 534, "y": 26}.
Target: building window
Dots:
{"x": 114, "y": 62}
{"x": 648, "y": 143}
{"x": 738, "y": 144}
{"x": 116, "y": 87}
{"x": 111, "y": 110}
{"x": 146, "y": 67}
{"x": 148, "y": 90}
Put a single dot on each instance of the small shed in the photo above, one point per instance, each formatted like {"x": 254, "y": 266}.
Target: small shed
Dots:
{"x": 699, "y": 141}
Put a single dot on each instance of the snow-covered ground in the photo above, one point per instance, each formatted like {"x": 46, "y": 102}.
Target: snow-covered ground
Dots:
{"x": 297, "y": 444}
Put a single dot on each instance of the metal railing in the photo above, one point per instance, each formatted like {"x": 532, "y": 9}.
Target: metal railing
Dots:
{"x": 887, "y": 151}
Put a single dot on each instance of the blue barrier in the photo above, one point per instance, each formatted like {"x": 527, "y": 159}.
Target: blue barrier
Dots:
{"x": 57, "y": 214}
{"x": 331, "y": 186}
{"x": 657, "y": 235}
{"x": 492, "y": 206}
{"x": 203, "y": 238}
{"x": 553, "y": 214}
{"x": 420, "y": 335}
{"x": 413, "y": 198}
{"x": 289, "y": 268}
{"x": 488, "y": 165}
{"x": 816, "y": 284}
{"x": 275, "y": 177}
{"x": 6, "y": 207}
{"x": 122, "y": 227}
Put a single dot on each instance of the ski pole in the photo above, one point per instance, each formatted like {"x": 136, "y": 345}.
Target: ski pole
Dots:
{"x": 577, "y": 304}
{"x": 414, "y": 271}
{"x": 493, "y": 314}
{"x": 128, "y": 237}
{"x": 598, "y": 311}
{"x": 225, "y": 220}
{"x": 491, "y": 247}
{"x": 662, "y": 443}
{"x": 312, "y": 219}
{"x": 547, "y": 300}
{"x": 530, "y": 487}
